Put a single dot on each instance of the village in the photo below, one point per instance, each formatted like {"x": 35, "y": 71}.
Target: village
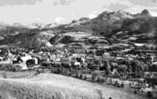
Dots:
{"x": 78, "y": 49}
{"x": 120, "y": 65}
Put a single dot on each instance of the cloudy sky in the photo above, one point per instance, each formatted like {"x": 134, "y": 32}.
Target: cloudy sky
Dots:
{"x": 62, "y": 11}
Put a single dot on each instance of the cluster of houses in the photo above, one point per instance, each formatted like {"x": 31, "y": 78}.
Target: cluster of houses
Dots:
{"x": 12, "y": 59}
{"x": 121, "y": 61}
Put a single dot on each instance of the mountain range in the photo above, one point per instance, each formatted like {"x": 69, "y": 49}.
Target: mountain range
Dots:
{"x": 107, "y": 29}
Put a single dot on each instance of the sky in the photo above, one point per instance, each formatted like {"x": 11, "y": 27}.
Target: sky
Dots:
{"x": 64, "y": 11}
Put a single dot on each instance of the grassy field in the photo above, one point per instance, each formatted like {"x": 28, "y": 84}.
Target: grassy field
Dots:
{"x": 24, "y": 85}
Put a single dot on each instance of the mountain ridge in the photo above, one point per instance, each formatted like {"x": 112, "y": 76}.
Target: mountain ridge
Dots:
{"x": 115, "y": 27}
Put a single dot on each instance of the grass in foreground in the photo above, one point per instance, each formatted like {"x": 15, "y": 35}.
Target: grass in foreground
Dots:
{"x": 52, "y": 86}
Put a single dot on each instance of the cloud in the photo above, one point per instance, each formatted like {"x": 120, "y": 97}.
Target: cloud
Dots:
{"x": 59, "y": 20}
{"x": 139, "y": 8}
{"x": 46, "y": 12}
{"x": 63, "y": 2}
{"x": 149, "y": 3}
{"x": 17, "y": 2}
{"x": 117, "y": 6}
{"x": 62, "y": 11}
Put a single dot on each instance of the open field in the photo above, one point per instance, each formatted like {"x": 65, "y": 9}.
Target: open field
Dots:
{"x": 52, "y": 86}
{"x": 22, "y": 74}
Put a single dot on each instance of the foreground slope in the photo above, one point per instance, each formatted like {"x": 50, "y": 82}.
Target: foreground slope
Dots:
{"x": 51, "y": 86}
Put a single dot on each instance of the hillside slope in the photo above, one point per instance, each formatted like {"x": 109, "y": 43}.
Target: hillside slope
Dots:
{"x": 115, "y": 27}
{"x": 51, "y": 86}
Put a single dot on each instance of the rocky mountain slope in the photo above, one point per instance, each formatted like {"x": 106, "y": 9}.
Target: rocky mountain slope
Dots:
{"x": 107, "y": 29}
{"x": 110, "y": 28}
